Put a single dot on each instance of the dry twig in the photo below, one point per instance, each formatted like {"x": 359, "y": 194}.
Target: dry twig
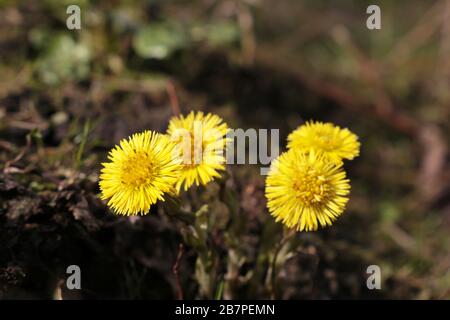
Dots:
{"x": 176, "y": 269}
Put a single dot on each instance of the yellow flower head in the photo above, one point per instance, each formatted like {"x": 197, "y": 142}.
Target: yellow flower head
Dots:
{"x": 201, "y": 145}
{"x": 304, "y": 190}
{"x": 140, "y": 171}
{"x": 335, "y": 143}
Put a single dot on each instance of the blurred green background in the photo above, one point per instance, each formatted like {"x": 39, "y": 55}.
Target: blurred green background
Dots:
{"x": 68, "y": 96}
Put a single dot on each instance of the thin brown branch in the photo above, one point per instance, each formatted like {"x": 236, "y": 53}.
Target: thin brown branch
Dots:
{"x": 248, "y": 41}
{"x": 431, "y": 181}
{"x": 176, "y": 271}
{"x": 20, "y": 155}
{"x": 382, "y": 109}
{"x": 8, "y": 146}
{"x": 418, "y": 35}
{"x": 174, "y": 103}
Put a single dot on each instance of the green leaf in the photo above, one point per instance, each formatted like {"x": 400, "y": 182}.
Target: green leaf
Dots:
{"x": 62, "y": 60}
{"x": 219, "y": 291}
{"x": 222, "y": 34}
{"x": 159, "y": 40}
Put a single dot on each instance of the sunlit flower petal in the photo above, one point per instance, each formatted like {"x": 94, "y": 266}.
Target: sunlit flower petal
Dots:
{"x": 141, "y": 170}
{"x": 305, "y": 190}
{"x": 333, "y": 142}
{"x": 201, "y": 145}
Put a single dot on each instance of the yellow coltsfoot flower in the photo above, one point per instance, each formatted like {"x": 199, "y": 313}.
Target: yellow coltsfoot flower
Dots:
{"x": 201, "y": 144}
{"x": 141, "y": 170}
{"x": 333, "y": 142}
{"x": 305, "y": 190}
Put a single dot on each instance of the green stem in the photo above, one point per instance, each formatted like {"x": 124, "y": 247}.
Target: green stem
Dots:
{"x": 287, "y": 235}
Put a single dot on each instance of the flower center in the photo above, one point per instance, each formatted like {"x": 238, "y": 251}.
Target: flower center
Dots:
{"x": 311, "y": 188}
{"x": 137, "y": 170}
